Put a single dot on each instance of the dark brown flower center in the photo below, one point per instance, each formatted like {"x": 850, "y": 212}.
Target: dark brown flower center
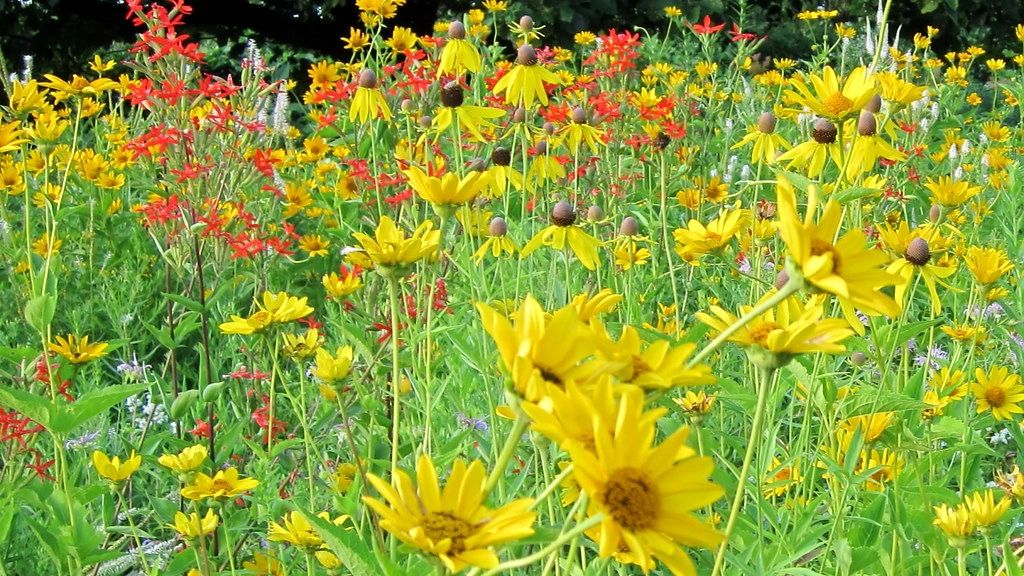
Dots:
{"x": 631, "y": 499}
{"x": 995, "y": 396}
{"x": 446, "y": 526}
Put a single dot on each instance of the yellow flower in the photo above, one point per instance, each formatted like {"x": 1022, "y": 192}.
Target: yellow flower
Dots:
{"x": 539, "y": 352}
{"x": 113, "y": 469}
{"x": 646, "y": 492}
{"x": 767, "y": 144}
{"x": 955, "y": 523}
{"x": 563, "y": 231}
{"x": 384, "y": 8}
{"x": 657, "y": 365}
{"x": 697, "y": 238}
{"x": 998, "y": 391}
{"x": 323, "y": 74}
{"x": 10, "y": 137}
{"x": 987, "y": 265}
{"x": 965, "y": 332}
{"x": 1012, "y": 483}
{"x": 78, "y": 350}
{"x": 845, "y": 268}
{"x": 402, "y": 39}
{"x": 524, "y": 83}
{"x": 453, "y": 524}
{"x": 949, "y": 192}
{"x": 356, "y": 39}
{"x": 459, "y": 55}
{"x": 186, "y": 461}
{"x": 368, "y": 102}
{"x": 264, "y": 565}
{"x": 284, "y": 308}
{"x": 301, "y": 346}
{"x": 46, "y": 245}
{"x": 331, "y": 368}
{"x": 566, "y": 416}
{"x": 496, "y": 5}
{"x": 673, "y": 11}
{"x": 589, "y": 307}
{"x": 470, "y": 119}
{"x": 447, "y": 192}
{"x": 917, "y": 258}
{"x": 392, "y": 252}
{"x": 826, "y": 98}
{"x": 983, "y": 510}
{"x": 871, "y": 426}
{"x": 814, "y": 153}
{"x": 780, "y": 478}
{"x": 191, "y": 526}
{"x": 343, "y": 477}
{"x": 629, "y": 253}
{"x": 297, "y": 531}
{"x": 223, "y": 484}
{"x": 341, "y": 287}
{"x": 886, "y": 465}
{"x": 584, "y": 38}
{"x": 695, "y": 403}
{"x": 252, "y": 324}
{"x": 314, "y": 244}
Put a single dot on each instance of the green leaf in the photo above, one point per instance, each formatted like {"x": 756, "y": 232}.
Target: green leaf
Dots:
{"x": 161, "y": 335}
{"x": 39, "y": 311}
{"x": 346, "y": 545}
{"x": 17, "y": 355}
{"x": 37, "y": 408}
{"x": 855, "y": 193}
{"x": 189, "y": 303}
{"x": 91, "y": 404}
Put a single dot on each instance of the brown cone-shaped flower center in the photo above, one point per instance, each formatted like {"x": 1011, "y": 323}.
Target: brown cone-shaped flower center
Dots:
{"x": 661, "y": 141}
{"x": 579, "y": 115}
{"x": 629, "y": 226}
{"x": 995, "y": 396}
{"x": 866, "y": 124}
{"x": 563, "y": 214}
{"x": 367, "y": 78}
{"x": 440, "y": 526}
{"x": 498, "y": 226}
{"x": 631, "y": 499}
{"x": 527, "y": 55}
{"x": 918, "y": 252}
{"x": 501, "y": 157}
{"x": 874, "y": 105}
{"x": 766, "y": 123}
{"x": 452, "y": 95}
{"x": 824, "y": 132}
{"x": 837, "y": 104}
{"x": 457, "y": 30}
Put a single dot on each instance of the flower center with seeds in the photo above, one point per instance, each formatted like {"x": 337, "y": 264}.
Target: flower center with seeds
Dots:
{"x": 995, "y": 396}
{"x": 837, "y": 104}
{"x": 759, "y": 333}
{"x": 631, "y": 499}
{"x": 446, "y": 526}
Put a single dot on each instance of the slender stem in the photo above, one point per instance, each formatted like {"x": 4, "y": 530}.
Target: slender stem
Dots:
{"x": 544, "y": 552}
{"x": 135, "y": 533}
{"x": 961, "y": 561}
{"x": 741, "y": 485}
{"x": 396, "y": 376}
{"x": 506, "y": 453}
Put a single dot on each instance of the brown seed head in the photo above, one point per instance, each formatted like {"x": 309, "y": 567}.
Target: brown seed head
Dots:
{"x": 367, "y": 78}
{"x": 498, "y": 226}
{"x": 527, "y": 55}
{"x": 452, "y": 95}
{"x": 918, "y": 253}
{"x": 824, "y": 132}
{"x": 866, "y": 124}
{"x": 426, "y": 121}
{"x": 542, "y": 147}
{"x": 457, "y": 30}
{"x": 526, "y": 23}
{"x": 935, "y": 212}
{"x": 501, "y": 156}
{"x": 519, "y": 115}
{"x": 579, "y": 115}
{"x": 595, "y": 213}
{"x": 563, "y": 214}
{"x": 874, "y": 105}
{"x": 629, "y": 226}
{"x": 766, "y": 122}
{"x": 549, "y": 128}
{"x": 781, "y": 279}
{"x": 408, "y": 105}
{"x": 858, "y": 358}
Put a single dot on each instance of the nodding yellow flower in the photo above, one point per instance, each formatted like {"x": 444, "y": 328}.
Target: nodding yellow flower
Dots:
{"x": 459, "y": 55}
{"x": 955, "y": 523}
{"x": 470, "y": 119}
{"x": 654, "y": 365}
{"x": 447, "y": 192}
{"x": 566, "y": 415}
{"x": 825, "y": 97}
{"x": 224, "y": 484}
{"x": 589, "y": 306}
{"x": 562, "y": 232}
{"x": 383, "y": 8}
{"x": 498, "y": 243}
{"x": 886, "y": 465}
{"x": 297, "y": 531}
{"x": 332, "y": 368}
{"x": 983, "y": 509}
{"x": 917, "y": 257}
{"x": 871, "y": 426}
{"x": 368, "y": 102}
{"x": 987, "y": 265}
{"x": 191, "y": 526}
{"x": 636, "y": 483}
{"x": 845, "y": 267}
{"x": 452, "y": 524}
{"x": 998, "y": 391}
{"x": 524, "y": 83}
{"x": 390, "y": 250}
{"x": 10, "y": 137}
{"x": 78, "y": 350}
{"x": 188, "y": 460}
{"x": 629, "y": 253}
{"x": 767, "y": 144}
{"x": 113, "y": 469}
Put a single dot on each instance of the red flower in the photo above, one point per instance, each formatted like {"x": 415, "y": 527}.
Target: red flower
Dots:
{"x": 706, "y": 27}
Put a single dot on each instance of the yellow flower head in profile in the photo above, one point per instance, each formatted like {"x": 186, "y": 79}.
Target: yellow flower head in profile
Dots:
{"x": 845, "y": 267}
{"x": 562, "y": 231}
{"x": 646, "y": 492}
{"x": 459, "y": 55}
{"x": 955, "y": 523}
{"x": 264, "y": 565}
{"x": 368, "y": 102}
{"x": 983, "y": 509}
{"x": 191, "y": 526}
{"x": 566, "y": 416}
{"x": 655, "y": 365}
{"x": 298, "y": 347}
{"x": 224, "y": 484}
{"x": 524, "y": 83}
{"x": 285, "y": 308}
{"x": 987, "y": 265}
{"x": 697, "y": 239}
{"x": 696, "y": 403}
{"x": 294, "y": 529}
{"x": 498, "y": 242}
{"x": 113, "y": 469}
{"x": 185, "y": 461}
{"x": 340, "y": 287}
{"x": 539, "y": 351}
{"x": 452, "y": 524}
{"x": 331, "y": 368}
{"x": 998, "y": 391}
{"x": 767, "y": 143}
{"x": 591, "y": 306}
{"x": 447, "y": 192}
{"x": 949, "y": 192}
{"x": 476, "y": 121}
{"x": 826, "y": 98}
{"x": 78, "y": 350}
{"x": 392, "y": 252}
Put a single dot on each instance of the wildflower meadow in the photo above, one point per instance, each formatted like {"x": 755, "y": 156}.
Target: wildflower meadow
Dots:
{"x": 469, "y": 303}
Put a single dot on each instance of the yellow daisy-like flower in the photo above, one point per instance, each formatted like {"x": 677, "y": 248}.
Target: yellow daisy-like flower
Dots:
{"x": 826, "y": 98}
{"x": 698, "y": 239}
{"x": 524, "y": 83}
{"x": 185, "y": 461}
{"x": 591, "y": 306}
{"x": 264, "y": 565}
{"x": 314, "y": 244}
{"x": 340, "y": 287}
{"x": 113, "y": 469}
{"x": 846, "y": 267}
{"x": 78, "y": 350}
{"x": 998, "y": 391}
{"x": 780, "y": 478}
{"x": 949, "y": 192}
{"x": 10, "y": 137}
{"x": 392, "y": 252}
{"x": 224, "y": 484}
{"x": 331, "y": 368}
{"x": 454, "y": 524}
{"x": 297, "y": 531}
{"x": 987, "y": 265}
{"x": 255, "y": 322}
{"x": 566, "y": 415}
{"x": 301, "y": 346}
{"x": 696, "y": 403}
{"x": 955, "y": 523}
{"x": 789, "y": 329}
{"x": 283, "y": 307}
{"x": 448, "y": 192}
{"x": 191, "y": 526}
{"x": 647, "y": 493}
{"x": 323, "y": 74}
{"x": 539, "y": 352}
{"x": 343, "y": 476}
{"x": 368, "y": 102}
{"x": 657, "y": 365}
{"x": 983, "y": 509}
{"x": 886, "y": 466}
{"x": 356, "y": 39}
{"x": 966, "y": 332}
{"x": 563, "y": 231}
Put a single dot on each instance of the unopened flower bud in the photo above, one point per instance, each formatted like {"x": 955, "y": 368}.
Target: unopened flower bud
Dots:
{"x": 766, "y": 123}
{"x": 629, "y": 226}
{"x": 519, "y": 115}
{"x": 498, "y": 226}
{"x": 408, "y": 105}
{"x": 501, "y": 156}
{"x": 824, "y": 132}
{"x": 527, "y": 55}
{"x": 595, "y": 213}
{"x": 858, "y": 358}
{"x": 866, "y": 124}
{"x": 579, "y": 115}
{"x": 542, "y": 147}
{"x": 452, "y": 95}
{"x": 367, "y": 78}
{"x": 563, "y": 214}
{"x": 874, "y": 104}
{"x": 549, "y": 128}
{"x": 934, "y": 213}
{"x": 426, "y": 121}
{"x": 457, "y": 30}
{"x": 918, "y": 252}
{"x": 781, "y": 279}
{"x": 526, "y": 23}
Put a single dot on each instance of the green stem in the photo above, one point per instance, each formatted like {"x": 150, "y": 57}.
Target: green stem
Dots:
{"x": 396, "y": 376}
{"x": 544, "y": 552}
{"x": 506, "y": 453}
